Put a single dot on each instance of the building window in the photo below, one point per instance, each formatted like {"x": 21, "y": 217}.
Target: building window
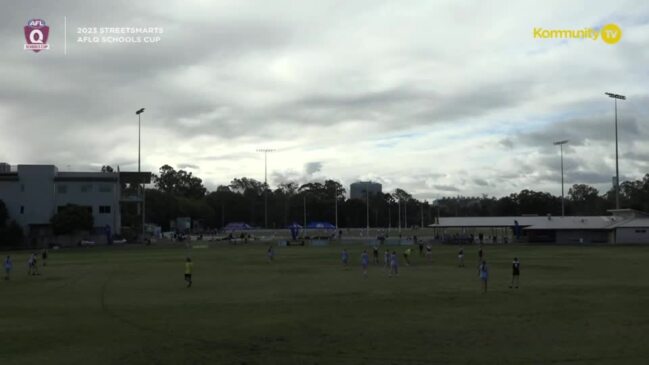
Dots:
{"x": 62, "y": 189}
{"x": 640, "y": 231}
{"x": 86, "y": 188}
{"x": 22, "y": 209}
{"x": 104, "y": 209}
{"x": 105, "y": 188}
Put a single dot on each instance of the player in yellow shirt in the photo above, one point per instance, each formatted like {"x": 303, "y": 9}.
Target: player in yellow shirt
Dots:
{"x": 189, "y": 267}
{"x": 406, "y": 255}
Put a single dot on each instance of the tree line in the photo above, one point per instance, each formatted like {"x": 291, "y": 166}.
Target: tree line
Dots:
{"x": 177, "y": 193}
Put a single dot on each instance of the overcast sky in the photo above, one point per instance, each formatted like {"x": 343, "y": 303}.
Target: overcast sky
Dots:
{"x": 437, "y": 97}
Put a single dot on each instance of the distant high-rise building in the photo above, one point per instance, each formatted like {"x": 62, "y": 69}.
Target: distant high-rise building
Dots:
{"x": 358, "y": 190}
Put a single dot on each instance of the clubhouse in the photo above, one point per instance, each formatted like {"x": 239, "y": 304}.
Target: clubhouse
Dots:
{"x": 623, "y": 226}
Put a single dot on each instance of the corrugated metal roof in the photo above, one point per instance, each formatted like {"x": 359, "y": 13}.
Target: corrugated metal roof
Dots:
{"x": 596, "y": 222}
{"x": 634, "y": 223}
{"x": 543, "y": 223}
{"x": 487, "y": 221}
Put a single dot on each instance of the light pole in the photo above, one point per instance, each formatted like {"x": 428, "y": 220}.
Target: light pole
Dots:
{"x": 139, "y": 139}
{"x": 405, "y": 214}
{"x": 336, "y": 205}
{"x": 617, "y": 170}
{"x": 265, "y": 151}
{"x": 304, "y": 229}
{"x": 399, "y": 212}
{"x": 560, "y": 144}
{"x": 367, "y": 213}
{"x": 422, "y": 215}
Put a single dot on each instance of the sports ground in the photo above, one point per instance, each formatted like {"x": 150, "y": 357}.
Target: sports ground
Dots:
{"x": 129, "y": 305}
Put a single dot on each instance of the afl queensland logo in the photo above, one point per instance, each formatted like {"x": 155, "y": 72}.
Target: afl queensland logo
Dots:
{"x": 36, "y": 34}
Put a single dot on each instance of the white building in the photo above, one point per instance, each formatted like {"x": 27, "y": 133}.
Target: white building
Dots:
{"x": 34, "y": 193}
{"x": 623, "y": 226}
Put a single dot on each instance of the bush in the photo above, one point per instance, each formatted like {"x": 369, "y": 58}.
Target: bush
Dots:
{"x": 11, "y": 234}
{"x": 71, "y": 219}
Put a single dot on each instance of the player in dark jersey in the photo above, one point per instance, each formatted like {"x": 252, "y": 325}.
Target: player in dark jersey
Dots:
{"x": 483, "y": 271}
{"x": 516, "y": 273}
{"x": 460, "y": 257}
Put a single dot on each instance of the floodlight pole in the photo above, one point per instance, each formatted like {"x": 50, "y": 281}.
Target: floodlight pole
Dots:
{"x": 399, "y": 208}
{"x": 139, "y": 139}
{"x": 367, "y": 214}
{"x": 336, "y": 205}
{"x": 265, "y": 151}
{"x": 304, "y": 229}
{"x": 405, "y": 214}
{"x": 617, "y": 169}
{"x": 560, "y": 144}
{"x": 389, "y": 217}
{"x": 422, "y": 215}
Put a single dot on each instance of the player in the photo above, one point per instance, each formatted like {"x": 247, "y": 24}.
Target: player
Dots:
{"x": 270, "y": 253}
{"x": 44, "y": 257}
{"x": 484, "y": 275}
{"x": 189, "y": 267}
{"x": 32, "y": 265}
{"x": 516, "y": 273}
{"x": 429, "y": 252}
{"x": 365, "y": 260}
{"x": 386, "y": 259}
{"x": 8, "y": 265}
{"x": 375, "y": 254}
{"x": 460, "y": 257}
{"x": 480, "y": 254}
{"x": 394, "y": 264}
{"x": 406, "y": 254}
{"x": 344, "y": 257}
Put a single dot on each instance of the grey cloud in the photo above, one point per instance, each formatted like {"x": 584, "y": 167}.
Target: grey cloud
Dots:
{"x": 506, "y": 142}
{"x": 598, "y": 129}
{"x": 313, "y": 167}
{"x": 188, "y": 166}
{"x": 446, "y": 188}
{"x": 68, "y": 110}
{"x": 480, "y": 182}
{"x": 230, "y": 156}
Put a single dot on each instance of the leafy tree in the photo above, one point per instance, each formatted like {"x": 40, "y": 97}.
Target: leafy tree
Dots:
{"x": 11, "y": 234}
{"x": 585, "y": 200}
{"x": 179, "y": 183}
{"x": 72, "y": 218}
{"x": 4, "y": 214}
{"x": 161, "y": 207}
{"x": 106, "y": 168}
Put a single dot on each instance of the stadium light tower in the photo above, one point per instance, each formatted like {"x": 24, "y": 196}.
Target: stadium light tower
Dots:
{"x": 560, "y": 144}
{"x": 336, "y": 205}
{"x": 265, "y": 151}
{"x": 367, "y": 212}
{"x": 617, "y": 170}
{"x": 139, "y": 128}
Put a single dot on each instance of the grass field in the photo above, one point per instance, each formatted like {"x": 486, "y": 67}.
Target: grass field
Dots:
{"x": 129, "y": 305}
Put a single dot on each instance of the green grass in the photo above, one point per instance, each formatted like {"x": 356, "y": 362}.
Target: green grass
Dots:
{"x": 129, "y": 305}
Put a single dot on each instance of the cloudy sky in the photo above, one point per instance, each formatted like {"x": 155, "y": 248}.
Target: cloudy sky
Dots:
{"x": 437, "y": 97}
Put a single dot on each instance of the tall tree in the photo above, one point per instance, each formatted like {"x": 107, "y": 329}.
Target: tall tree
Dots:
{"x": 179, "y": 183}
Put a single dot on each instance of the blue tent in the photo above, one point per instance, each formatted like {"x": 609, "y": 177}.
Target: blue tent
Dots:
{"x": 237, "y": 226}
{"x": 295, "y": 230}
{"x": 320, "y": 225}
